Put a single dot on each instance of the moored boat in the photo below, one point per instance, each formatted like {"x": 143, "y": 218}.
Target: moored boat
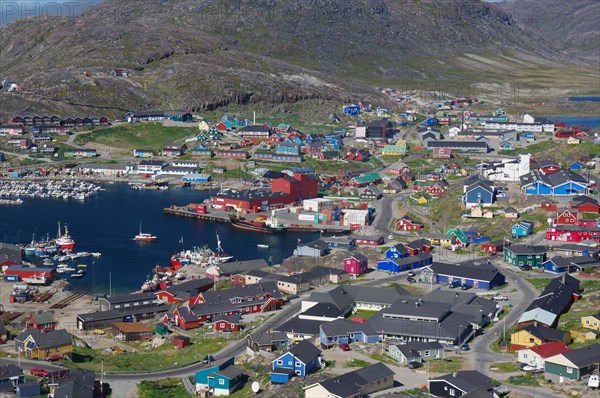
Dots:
{"x": 269, "y": 225}
{"x": 64, "y": 241}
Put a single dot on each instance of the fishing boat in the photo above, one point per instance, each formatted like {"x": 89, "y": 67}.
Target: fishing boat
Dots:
{"x": 96, "y": 254}
{"x": 144, "y": 237}
{"x": 220, "y": 256}
{"x": 262, "y": 246}
{"x": 81, "y": 265}
{"x": 64, "y": 241}
{"x": 36, "y": 280}
{"x": 30, "y": 248}
{"x": 268, "y": 225}
{"x": 149, "y": 285}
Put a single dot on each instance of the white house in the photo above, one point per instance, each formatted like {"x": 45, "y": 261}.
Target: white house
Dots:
{"x": 508, "y": 169}
{"x": 537, "y": 355}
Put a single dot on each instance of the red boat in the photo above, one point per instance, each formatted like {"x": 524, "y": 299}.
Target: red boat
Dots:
{"x": 64, "y": 242}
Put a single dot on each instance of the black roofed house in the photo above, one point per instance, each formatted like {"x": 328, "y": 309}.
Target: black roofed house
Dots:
{"x": 371, "y": 192}
{"x": 569, "y": 264}
{"x": 102, "y": 319}
{"x": 300, "y": 329}
{"x": 369, "y": 240}
{"x": 522, "y": 255}
{"x": 300, "y": 360}
{"x": 532, "y": 335}
{"x": 36, "y": 344}
{"x": 479, "y": 275}
{"x": 358, "y": 383}
{"x": 3, "y": 333}
{"x": 553, "y": 301}
{"x": 10, "y": 376}
{"x": 128, "y": 301}
{"x": 459, "y": 384}
{"x": 416, "y": 351}
{"x": 80, "y": 383}
{"x": 573, "y": 365}
{"x": 184, "y": 291}
{"x": 268, "y": 341}
{"x": 323, "y": 312}
{"x": 257, "y": 132}
{"x": 317, "y": 248}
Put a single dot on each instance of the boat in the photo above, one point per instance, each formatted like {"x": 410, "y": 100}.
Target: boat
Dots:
{"x": 180, "y": 276}
{"x": 149, "y": 285}
{"x": 81, "y": 265}
{"x": 532, "y": 368}
{"x": 220, "y": 256}
{"x": 269, "y": 225}
{"x": 96, "y": 254}
{"x": 48, "y": 262}
{"x": 29, "y": 250}
{"x": 144, "y": 237}
{"x": 77, "y": 275}
{"x": 262, "y": 246}
{"x": 64, "y": 242}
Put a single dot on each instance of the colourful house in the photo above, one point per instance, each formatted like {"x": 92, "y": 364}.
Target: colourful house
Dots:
{"x": 397, "y": 251}
{"x": 220, "y": 378}
{"x": 573, "y": 365}
{"x": 525, "y": 255}
{"x": 394, "y": 150}
{"x": 41, "y": 320}
{"x": 143, "y": 153}
{"x": 36, "y": 344}
{"x": 531, "y": 336}
{"x": 356, "y": 264}
{"x": 405, "y": 263}
{"x": 591, "y": 322}
{"x": 301, "y": 360}
{"x": 459, "y": 237}
{"x": 522, "y": 229}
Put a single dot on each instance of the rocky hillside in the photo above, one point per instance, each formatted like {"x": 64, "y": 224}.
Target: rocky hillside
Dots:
{"x": 197, "y": 55}
{"x": 573, "y": 26}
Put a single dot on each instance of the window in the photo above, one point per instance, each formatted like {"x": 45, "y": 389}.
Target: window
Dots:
{"x": 279, "y": 362}
{"x": 569, "y": 370}
{"x": 452, "y": 392}
{"x": 587, "y": 322}
{"x": 297, "y": 372}
{"x": 222, "y": 381}
{"x": 298, "y": 364}
{"x": 427, "y": 353}
{"x": 524, "y": 356}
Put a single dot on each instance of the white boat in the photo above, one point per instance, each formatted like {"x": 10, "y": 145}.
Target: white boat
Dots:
{"x": 532, "y": 368}
{"x": 594, "y": 381}
{"x": 81, "y": 265}
{"x": 262, "y": 246}
{"x": 180, "y": 276}
{"x": 96, "y": 254}
{"x": 48, "y": 262}
{"x": 35, "y": 280}
{"x": 144, "y": 237}
{"x": 67, "y": 269}
{"x": 77, "y": 275}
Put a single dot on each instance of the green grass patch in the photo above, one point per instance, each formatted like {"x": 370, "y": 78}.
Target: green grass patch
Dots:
{"x": 527, "y": 379}
{"x": 416, "y": 392}
{"x": 165, "y": 388}
{"x": 357, "y": 363}
{"x": 452, "y": 364}
{"x": 384, "y": 357}
{"x": 539, "y": 283}
{"x": 362, "y": 314}
{"x": 137, "y": 136}
{"x": 412, "y": 289}
{"x": 147, "y": 359}
{"x": 505, "y": 367}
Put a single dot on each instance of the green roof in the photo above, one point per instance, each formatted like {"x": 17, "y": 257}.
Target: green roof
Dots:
{"x": 460, "y": 235}
{"x": 43, "y": 318}
{"x": 368, "y": 177}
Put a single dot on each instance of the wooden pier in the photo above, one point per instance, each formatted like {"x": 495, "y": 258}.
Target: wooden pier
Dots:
{"x": 183, "y": 212}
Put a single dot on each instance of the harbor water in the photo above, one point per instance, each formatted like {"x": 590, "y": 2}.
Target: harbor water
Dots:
{"x": 108, "y": 221}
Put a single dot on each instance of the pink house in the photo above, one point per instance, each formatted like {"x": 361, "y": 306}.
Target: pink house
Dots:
{"x": 356, "y": 264}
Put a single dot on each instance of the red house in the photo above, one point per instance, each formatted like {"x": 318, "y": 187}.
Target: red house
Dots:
{"x": 225, "y": 323}
{"x": 493, "y": 247}
{"x": 573, "y": 233}
{"x": 363, "y": 240}
{"x": 548, "y": 166}
{"x": 221, "y": 127}
{"x": 181, "y": 341}
{"x": 356, "y": 264}
{"x": 41, "y": 320}
{"x": 441, "y": 152}
{"x": 436, "y": 190}
{"x": 184, "y": 292}
{"x": 564, "y": 133}
{"x": 585, "y": 204}
{"x": 301, "y": 186}
{"x": 418, "y": 246}
{"x": 566, "y": 217}
{"x": 408, "y": 224}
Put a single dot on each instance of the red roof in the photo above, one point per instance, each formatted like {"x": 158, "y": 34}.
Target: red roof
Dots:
{"x": 549, "y": 349}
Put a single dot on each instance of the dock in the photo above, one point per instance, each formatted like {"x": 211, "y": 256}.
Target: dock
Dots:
{"x": 181, "y": 211}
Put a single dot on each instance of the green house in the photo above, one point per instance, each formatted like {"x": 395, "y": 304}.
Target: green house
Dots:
{"x": 525, "y": 255}
{"x": 573, "y": 365}
{"x": 202, "y": 137}
{"x": 460, "y": 236}
{"x": 365, "y": 179}
{"x": 220, "y": 378}
{"x": 212, "y": 132}
{"x": 394, "y": 150}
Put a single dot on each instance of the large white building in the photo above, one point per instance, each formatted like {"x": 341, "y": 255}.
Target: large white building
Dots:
{"x": 508, "y": 169}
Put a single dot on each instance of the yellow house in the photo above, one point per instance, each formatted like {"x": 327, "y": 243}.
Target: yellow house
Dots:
{"x": 591, "y": 322}
{"x": 531, "y": 336}
{"x": 422, "y": 200}
{"x": 35, "y": 344}
{"x": 582, "y": 335}
{"x": 573, "y": 140}
{"x": 203, "y": 126}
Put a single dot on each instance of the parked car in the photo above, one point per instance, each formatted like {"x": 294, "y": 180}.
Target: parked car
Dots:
{"x": 414, "y": 365}
{"x": 465, "y": 287}
{"x": 40, "y": 372}
{"x": 411, "y": 273}
{"x": 465, "y": 347}
{"x": 500, "y": 297}
{"x": 345, "y": 347}
{"x": 411, "y": 280}
{"x": 454, "y": 284}
{"x": 54, "y": 357}
{"x": 208, "y": 358}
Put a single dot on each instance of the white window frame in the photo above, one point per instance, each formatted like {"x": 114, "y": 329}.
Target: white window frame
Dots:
{"x": 569, "y": 370}
{"x": 222, "y": 382}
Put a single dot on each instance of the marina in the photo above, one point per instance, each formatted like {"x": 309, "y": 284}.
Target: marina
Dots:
{"x": 63, "y": 189}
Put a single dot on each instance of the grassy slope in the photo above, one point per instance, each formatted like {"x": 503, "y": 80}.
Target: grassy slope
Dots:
{"x": 137, "y": 136}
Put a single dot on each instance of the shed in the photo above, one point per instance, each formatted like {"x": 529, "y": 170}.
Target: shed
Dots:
{"x": 28, "y": 389}
{"x": 162, "y": 329}
{"x": 131, "y": 331}
{"x": 181, "y": 341}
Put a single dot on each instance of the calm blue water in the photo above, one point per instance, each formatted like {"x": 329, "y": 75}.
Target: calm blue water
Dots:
{"x": 593, "y": 98}
{"x": 592, "y": 122}
{"x": 107, "y": 222}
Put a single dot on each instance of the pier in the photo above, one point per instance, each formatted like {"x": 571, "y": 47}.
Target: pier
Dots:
{"x": 223, "y": 217}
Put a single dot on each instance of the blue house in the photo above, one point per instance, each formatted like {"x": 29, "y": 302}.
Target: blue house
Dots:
{"x": 558, "y": 265}
{"x": 143, "y": 153}
{"x": 481, "y": 193}
{"x": 528, "y": 134}
{"x": 335, "y": 142}
{"x": 301, "y": 360}
{"x": 287, "y": 148}
{"x": 405, "y": 263}
{"x": 221, "y": 377}
{"x": 507, "y": 146}
{"x": 196, "y": 177}
{"x": 577, "y": 166}
{"x": 343, "y": 331}
{"x": 559, "y": 183}
{"x": 481, "y": 276}
{"x": 522, "y": 229}
{"x": 397, "y": 251}
{"x": 351, "y": 109}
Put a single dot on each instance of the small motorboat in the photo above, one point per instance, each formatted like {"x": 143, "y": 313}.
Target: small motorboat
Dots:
{"x": 77, "y": 275}
{"x": 262, "y": 246}
{"x": 96, "y": 254}
{"x": 81, "y": 265}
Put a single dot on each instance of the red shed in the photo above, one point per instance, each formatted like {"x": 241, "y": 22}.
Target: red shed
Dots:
{"x": 493, "y": 247}
{"x": 181, "y": 341}
{"x": 31, "y": 272}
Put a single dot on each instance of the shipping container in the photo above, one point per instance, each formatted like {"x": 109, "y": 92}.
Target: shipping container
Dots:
{"x": 191, "y": 209}
{"x": 11, "y": 278}
{"x": 306, "y": 217}
{"x": 201, "y": 209}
